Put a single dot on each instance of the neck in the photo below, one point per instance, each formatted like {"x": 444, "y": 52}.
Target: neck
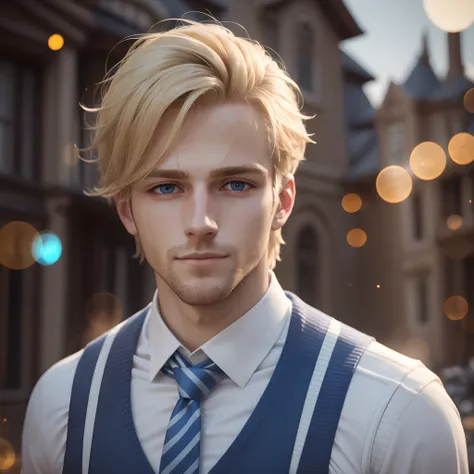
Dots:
{"x": 195, "y": 325}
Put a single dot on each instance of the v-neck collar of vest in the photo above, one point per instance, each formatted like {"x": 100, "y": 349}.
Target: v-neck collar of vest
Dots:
{"x": 293, "y": 355}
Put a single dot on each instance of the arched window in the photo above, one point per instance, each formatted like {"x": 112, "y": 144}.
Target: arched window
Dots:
{"x": 304, "y": 54}
{"x": 307, "y": 263}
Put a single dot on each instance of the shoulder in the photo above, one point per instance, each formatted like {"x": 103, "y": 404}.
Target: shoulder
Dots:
{"x": 47, "y": 414}
{"x": 46, "y": 420}
{"x": 406, "y": 415}
{"x": 52, "y": 392}
{"x": 45, "y": 426}
{"x": 379, "y": 373}
{"x": 380, "y": 365}
{"x": 428, "y": 437}
{"x": 54, "y": 386}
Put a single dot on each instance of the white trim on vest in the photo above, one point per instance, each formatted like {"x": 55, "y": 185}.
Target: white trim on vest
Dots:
{"x": 312, "y": 394}
{"x": 94, "y": 396}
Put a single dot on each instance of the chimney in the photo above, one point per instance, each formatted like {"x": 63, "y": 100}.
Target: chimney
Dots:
{"x": 456, "y": 67}
{"x": 425, "y": 55}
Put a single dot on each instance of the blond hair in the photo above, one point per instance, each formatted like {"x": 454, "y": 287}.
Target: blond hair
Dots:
{"x": 176, "y": 68}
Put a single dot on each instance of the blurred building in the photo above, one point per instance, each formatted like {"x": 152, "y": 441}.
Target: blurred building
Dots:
{"x": 421, "y": 251}
{"x": 316, "y": 260}
{"x": 48, "y": 312}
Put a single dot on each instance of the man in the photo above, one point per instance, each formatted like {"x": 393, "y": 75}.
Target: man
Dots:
{"x": 198, "y": 135}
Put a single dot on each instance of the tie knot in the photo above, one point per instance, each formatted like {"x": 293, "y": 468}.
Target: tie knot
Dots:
{"x": 194, "y": 382}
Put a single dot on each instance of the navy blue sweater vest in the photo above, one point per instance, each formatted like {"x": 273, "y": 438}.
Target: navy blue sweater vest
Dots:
{"x": 266, "y": 442}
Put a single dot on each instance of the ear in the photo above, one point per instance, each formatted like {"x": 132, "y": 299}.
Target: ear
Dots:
{"x": 286, "y": 201}
{"x": 124, "y": 210}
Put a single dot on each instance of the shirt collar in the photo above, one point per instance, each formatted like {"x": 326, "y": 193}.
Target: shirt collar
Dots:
{"x": 239, "y": 349}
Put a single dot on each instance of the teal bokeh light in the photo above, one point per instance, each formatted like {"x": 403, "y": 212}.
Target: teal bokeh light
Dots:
{"x": 47, "y": 248}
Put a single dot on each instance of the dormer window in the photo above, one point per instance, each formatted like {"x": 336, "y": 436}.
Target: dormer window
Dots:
{"x": 305, "y": 56}
{"x": 396, "y": 150}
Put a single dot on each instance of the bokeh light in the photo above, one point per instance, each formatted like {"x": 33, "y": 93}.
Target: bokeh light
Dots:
{"x": 457, "y": 249}
{"x": 55, "y": 42}
{"x": 456, "y": 308}
{"x": 7, "y": 455}
{"x": 103, "y": 311}
{"x": 356, "y": 238}
{"x": 394, "y": 184}
{"x": 454, "y": 222}
{"x": 468, "y": 423}
{"x": 16, "y": 239}
{"x": 351, "y": 202}
{"x": 104, "y": 303}
{"x": 461, "y": 148}
{"x": 450, "y": 15}
{"x": 427, "y": 161}
{"x": 469, "y": 100}
{"x": 47, "y": 248}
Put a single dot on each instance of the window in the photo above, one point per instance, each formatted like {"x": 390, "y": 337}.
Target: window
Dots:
{"x": 417, "y": 216}
{"x": 307, "y": 266}
{"x": 7, "y": 117}
{"x": 438, "y": 129}
{"x": 452, "y": 196}
{"x": 396, "y": 151}
{"x": 305, "y": 56}
{"x": 468, "y": 321}
{"x": 12, "y": 294}
{"x": 422, "y": 299}
{"x": 105, "y": 265}
{"x": 18, "y": 119}
{"x": 28, "y": 92}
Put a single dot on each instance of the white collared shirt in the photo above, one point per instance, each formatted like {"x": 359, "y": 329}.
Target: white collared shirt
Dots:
{"x": 415, "y": 431}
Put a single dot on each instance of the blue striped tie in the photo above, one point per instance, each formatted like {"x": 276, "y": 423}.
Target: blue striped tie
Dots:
{"x": 182, "y": 442}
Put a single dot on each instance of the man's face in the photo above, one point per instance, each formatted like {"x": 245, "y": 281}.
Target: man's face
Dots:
{"x": 204, "y": 216}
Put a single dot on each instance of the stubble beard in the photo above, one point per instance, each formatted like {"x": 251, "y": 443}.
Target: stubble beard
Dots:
{"x": 202, "y": 290}
{"x": 208, "y": 289}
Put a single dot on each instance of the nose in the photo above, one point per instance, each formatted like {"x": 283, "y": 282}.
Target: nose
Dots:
{"x": 199, "y": 222}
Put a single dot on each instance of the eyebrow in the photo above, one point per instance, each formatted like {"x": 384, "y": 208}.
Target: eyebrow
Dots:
{"x": 217, "y": 173}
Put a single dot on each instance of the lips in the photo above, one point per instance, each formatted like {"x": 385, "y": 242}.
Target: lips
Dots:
{"x": 201, "y": 256}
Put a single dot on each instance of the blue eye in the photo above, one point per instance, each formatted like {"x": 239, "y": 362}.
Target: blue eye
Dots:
{"x": 237, "y": 185}
{"x": 166, "y": 188}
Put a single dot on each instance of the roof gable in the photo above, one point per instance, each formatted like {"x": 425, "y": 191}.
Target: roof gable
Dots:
{"x": 421, "y": 82}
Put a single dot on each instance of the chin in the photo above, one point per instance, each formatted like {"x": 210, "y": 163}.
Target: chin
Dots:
{"x": 201, "y": 286}
{"x": 198, "y": 289}
{"x": 203, "y": 293}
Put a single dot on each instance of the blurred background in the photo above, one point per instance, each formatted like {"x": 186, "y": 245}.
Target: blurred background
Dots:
{"x": 382, "y": 235}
